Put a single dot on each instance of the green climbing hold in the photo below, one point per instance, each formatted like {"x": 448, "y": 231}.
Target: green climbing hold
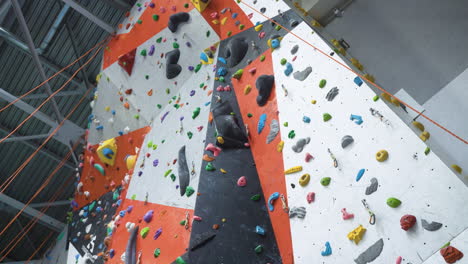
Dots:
{"x": 325, "y": 181}
{"x": 91, "y": 206}
{"x": 189, "y": 191}
{"x": 202, "y": 84}
{"x": 255, "y": 197}
{"x": 167, "y": 172}
{"x": 159, "y": 106}
{"x": 133, "y": 197}
{"x": 249, "y": 115}
{"x": 208, "y": 33}
{"x": 144, "y": 232}
{"x": 262, "y": 58}
{"x": 115, "y": 195}
{"x": 182, "y": 223}
{"x": 173, "y": 177}
{"x": 197, "y": 68}
{"x": 376, "y": 98}
{"x": 229, "y": 33}
{"x": 155, "y": 17}
{"x": 159, "y": 40}
{"x": 277, "y": 27}
{"x": 150, "y": 144}
{"x": 326, "y": 117}
{"x": 209, "y": 167}
{"x": 155, "y": 147}
{"x": 189, "y": 135}
{"x": 285, "y": 124}
{"x": 147, "y": 77}
{"x": 291, "y": 134}
{"x": 175, "y": 45}
{"x": 176, "y": 106}
{"x": 139, "y": 21}
{"x": 258, "y": 249}
{"x": 238, "y": 74}
{"x": 137, "y": 116}
{"x": 427, "y": 150}
{"x": 168, "y": 91}
{"x": 186, "y": 5}
{"x": 393, "y": 202}
{"x": 157, "y": 252}
{"x": 322, "y": 83}
{"x": 241, "y": 26}
{"x": 143, "y": 52}
{"x": 446, "y": 245}
{"x": 221, "y": 79}
{"x": 196, "y": 112}
{"x": 283, "y": 61}
{"x": 179, "y": 260}
{"x": 162, "y": 141}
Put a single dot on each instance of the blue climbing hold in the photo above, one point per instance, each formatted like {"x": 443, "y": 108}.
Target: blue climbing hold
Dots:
{"x": 358, "y": 81}
{"x": 122, "y": 213}
{"x": 259, "y": 230}
{"x": 222, "y": 71}
{"x": 119, "y": 202}
{"x": 222, "y": 60}
{"x": 100, "y": 127}
{"x": 261, "y": 123}
{"x": 111, "y": 253}
{"x": 203, "y": 57}
{"x": 289, "y": 69}
{"x": 275, "y": 43}
{"x": 328, "y": 249}
{"x": 207, "y": 103}
{"x": 357, "y": 119}
{"x": 108, "y": 153}
{"x": 306, "y": 119}
{"x": 113, "y": 112}
{"x": 234, "y": 15}
{"x": 359, "y": 175}
{"x": 121, "y": 133}
{"x": 272, "y": 198}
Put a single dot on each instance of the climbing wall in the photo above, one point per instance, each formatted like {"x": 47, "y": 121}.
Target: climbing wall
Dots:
{"x": 219, "y": 136}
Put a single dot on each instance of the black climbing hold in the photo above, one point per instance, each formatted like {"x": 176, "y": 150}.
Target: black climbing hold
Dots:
{"x": 227, "y": 127}
{"x": 184, "y": 174}
{"x": 293, "y": 23}
{"x": 263, "y": 10}
{"x": 176, "y": 19}
{"x": 236, "y": 50}
{"x": 264, "y": 85}
{"x": 200, "y": 240}
{"x": 172, "y": 68}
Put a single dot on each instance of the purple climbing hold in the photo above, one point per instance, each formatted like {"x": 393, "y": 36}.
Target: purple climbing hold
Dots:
{"x": 140, "y": 173}
{"x": 155, "y": 162}
{"x": 188, "y": 44}
{"x": 129, "y": 208}
{"x": 181, "y": 118}
{"x": 192, "y": 93}
{"x": 111, "y": 253}
{"x": 158, "y": 233}
{"x": 191, "y": 68}
{"x": 164, "y": 116}
{"x": 151, "y": 51}
{"x": 148, "y": 216}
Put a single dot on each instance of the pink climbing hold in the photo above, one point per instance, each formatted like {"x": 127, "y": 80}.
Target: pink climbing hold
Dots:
{"x": 246, "y": 144}
{"x": 213, "y": 148}
{"x": 293, "y": 59}
{"x": 197, "y": 218}
{"x": 242, "y": 181}
{"x": 214, "y": 15}
{"x": 227, "y": 88}
{"x": 253, "y": 70}
{"x": 220, "y": 88}
{"x": 261, "y": 35}
{"x": 398, "y": 260}
{"x": 308, "y": 157}
{"x": 91, "y": 161}
{"x": 310, "y": 197}
{"x": 162, "y": 9}
{"x": 250, "y": 15}
{"x": 199, "y": 128}
{"x": 346, "y": 215}
{"x": 174, "y": 8}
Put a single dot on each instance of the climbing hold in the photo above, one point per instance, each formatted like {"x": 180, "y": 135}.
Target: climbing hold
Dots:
{"x": 346, "y": 215}
{"x": 255, "y": 197}
{"x": 357, "y": 234}
{"x": 157, "y": 252}
{"x": 300, "y": 212}
{"x": 372, "y": 187}
{"x": 418, "y": 125}
{"x": 143, "y": 52}
{"x": 398, "y": 260}
{"x": 381, "y": 156}
{"x": 322, "y": 83}
{"x": 172, "y": 68}
{"x": 189, "y": 191}
{"x": 393, "y": 202}
{"x": 220, "y": 140}
{"x": 304, "y": 180}
{"x": 158, "y": 233}
{"x": 310, "y": 197}
{"x": 242, "y": 181}
{"x": 306, "y": 119}
{"x": 332, "y": 94}
{"x": 238, "y": 74}
{"x": 155, "y": 17}
{"x": 291, "y": 134}
{"x": 264, "y": 84}
{"x": 236, "y": 49}
{"x": 196, "y": 112}
{"x": 223, "y": 171}
{"x": 247, "y": 89}
{"x": 275, "y": 43}
{"x": 457, "y": 168}
{"x": 148, "y": 216}
{"x": 259, "y": 230}
{"x": 183, "y": 170}
{"x": 283, "y": 61}
{"x": 357, "y": 119}
{"x": 261, "y": 123}
{"x": 375, "y": 98}
{"x": 274, "y": 130}
{"x": 346, "y": 141}
{"x": 328, "y": 249}
{"x": 325, "y": 181}
{"x": 262, "y": 57}
{"x": 451, "y": 254}
{"x": 99, "y": 168}
{"x": 425, "y": 136}
{"x": 209, "y": 167}
{"x": 293, "y": 170}
{"x": 289, "y": 69}
{"x": 308, "y": 157}
{"x": 176, "y": 19}
{"x": 130, "y": 251}
{"x": 432, "y": 226}
{"x": 294, "y": 49}
{"x": 180, "y": 260}
{"x": 144, "y": 232}
{"x": 358, "y": 81}
{"x": 213, "y": 148}
{"x": 371, "y": 253}
{"x": 280, "y": 146}
{"x": 302, "y": 75}
{"x": 326, "y": 117}
{"x": 126, "y": 61}
{"x": 300, "y": 144}
{"x": 427, "y": 150}
{"x": 258, "y": 249}
{"x": 258, "y": 27}
{"x": 360, "y": 174}
{"x": 207, "y": 157}
{"x": 130, "y": 161}
{"x": 273, "y": 197}
{"x": 407, "y": 221}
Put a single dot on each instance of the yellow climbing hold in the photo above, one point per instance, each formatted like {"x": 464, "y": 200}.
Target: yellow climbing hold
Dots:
{"x": 386, "y": 96}
{"x": 223, "y": 171}
{"x": 130, "y": 161}
{"x": 107, "y": 108}
{"x": 98, "y": 77}
{"x": 357, "y": 234}
{"x": 200, "y": 5}
{"x": 220, "y": 140}
{"x": 424, "y": 136}
{"x": 223, "y": 21}
{"x": 418, "y": 125}
{"x": 280, "y": 146}
{"x": 395, "y": 101}
{"x": 457, "y": 168}
{"x": 313, "y": 101}
{"x": 259, "y": 27}
{"x": 316, "y": 24}
{"x": 304, "y": 180}
{"x": 369, "y": 77}
{"x": 107, "y": 151}
{"x": 216, "y": 22}
{"x": 293, "y": 170}
{"x": 247, "y": 89}
{"x": 382, "y": 155}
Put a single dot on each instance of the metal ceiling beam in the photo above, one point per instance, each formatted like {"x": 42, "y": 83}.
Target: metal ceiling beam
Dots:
{"x": 59, "y": 94}
{"x": 53, "y": 29}
{"x": 56, "y": 203}
{"x": 85, "y": 12}
{"x": 45, "y": 220}
{"x": 38, "y": 261}
{"x": 35, "y": 56}
{"x": 119, "y": 4}
{"x": 14, "y": 139}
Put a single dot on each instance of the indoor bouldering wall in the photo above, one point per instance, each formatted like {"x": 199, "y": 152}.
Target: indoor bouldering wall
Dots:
{"x": 221, "y": 134}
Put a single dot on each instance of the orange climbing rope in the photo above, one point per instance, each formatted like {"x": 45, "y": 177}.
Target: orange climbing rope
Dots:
{"x": 53, "y": 76}
{"x": 10, "y": 179}
{"x": 360, "y": 75}
{"x": 40, "y": 246}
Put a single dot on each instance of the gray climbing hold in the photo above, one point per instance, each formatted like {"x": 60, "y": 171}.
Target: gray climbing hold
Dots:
{"x": 302, "y": 75}
{"x": 300, "y": 212}
{"x": 263, "y": 10}
{"x": 371, "y": 253}
{"x": 176, "y": 19}
{"x": 172, "y": 68}
{"x": 293, "y": 23}
{"x": 184, "y": 174}
{"x": 300, "y": 144}
{"x": 294, "y": 49}
{"x": 264, "y": 86}
{"x": 130, "y": 251}
{"x": 432, "y": 226}
{"x": 346, "y": 141}
{"x": 332, "y": 93}
{"x": 236, "y": 50}
{"x": 372, "y": 187}
{"x": 274, "y": 130}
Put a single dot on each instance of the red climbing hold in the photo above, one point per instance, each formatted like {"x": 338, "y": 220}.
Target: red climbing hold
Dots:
{"x": 127, "y": 61}
{"x": 242, "y": 181}
{"x": 407, "y": 221}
